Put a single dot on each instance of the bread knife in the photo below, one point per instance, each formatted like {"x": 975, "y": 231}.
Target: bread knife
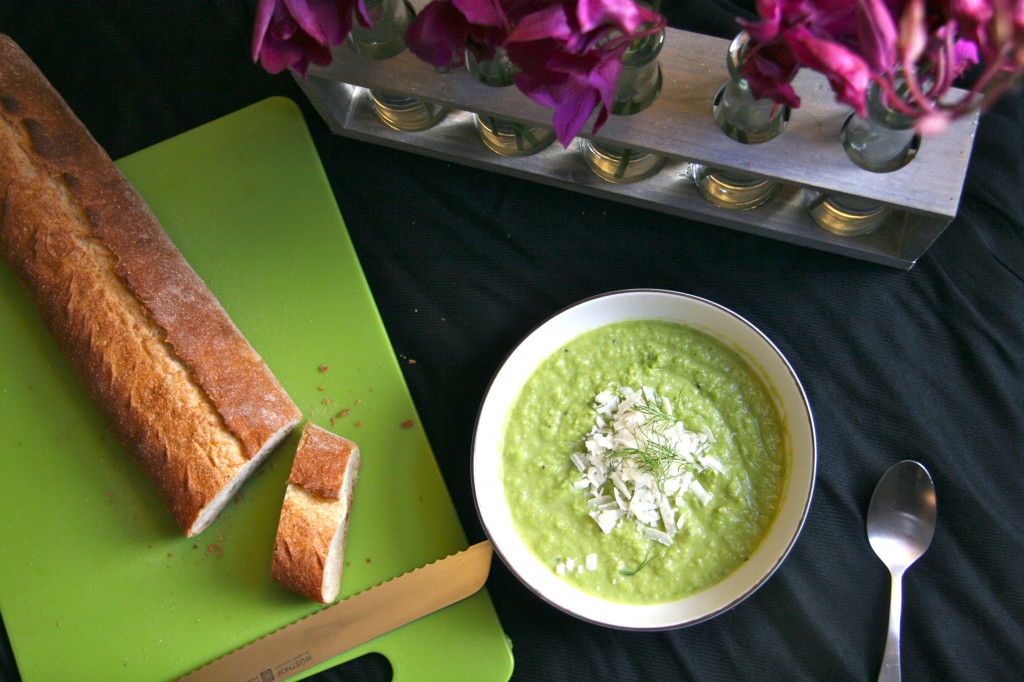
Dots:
{"x": 353, "y": 621}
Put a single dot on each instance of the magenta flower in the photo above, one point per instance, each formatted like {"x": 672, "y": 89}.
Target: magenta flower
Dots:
{"x": 568, "y": 52}
{"x": 570, "y": 56}
{"x": 846, "y": 71}
{"x": 574, "y": 85}
{"x": 769, "y": 70}
{"x": 438, "y": 34}
{"x": 913, "y": 49}
{"x": 938, "y": 42}
{"x": 445, "y": 29}
{"x": 818, "y": 34}
{"x": 295, "y": 33}
{"x": 877, "y": 33}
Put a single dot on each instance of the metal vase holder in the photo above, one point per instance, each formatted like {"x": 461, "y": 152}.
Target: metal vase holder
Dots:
{"x": 679, "y": 125}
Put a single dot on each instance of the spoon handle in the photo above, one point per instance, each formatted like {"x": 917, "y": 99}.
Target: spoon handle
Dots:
{"x": 890, "y": 671}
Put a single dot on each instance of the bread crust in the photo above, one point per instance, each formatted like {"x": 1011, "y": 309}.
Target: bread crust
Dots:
{"x": 322, "y": 466}
{"x": 311, "y": 533}
{"x": 180, "y": 384}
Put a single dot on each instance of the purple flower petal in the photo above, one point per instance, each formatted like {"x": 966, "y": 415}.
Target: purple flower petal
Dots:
{"x": 536, "y": 89}
{"x": 550, "y": 23}
{"x": 533, "y": 56}
{"x": 913, "y": 33}
{"x": 295, "y": 33}
{"x": 933, "y": 123}
{"x": 847, "y": 72}
{"x": 319, "y": 19}
{"x": 623, "y": 14}
{"x": 769, "y": 73}
{"x": 765, "y": 30}
{"x": 264, "y": 15}
{"x": 966, "y": 54}
{"x": 973, "y": 12}
{"x": 438, "y": 34}
{"x": 573, "y": 113}
{"x": 876, "y": 31}
{"x": 482, "y": 12}
{"x": 604, "y": 76}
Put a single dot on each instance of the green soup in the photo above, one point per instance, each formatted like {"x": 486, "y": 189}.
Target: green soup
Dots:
{"x": 714, "y": 392}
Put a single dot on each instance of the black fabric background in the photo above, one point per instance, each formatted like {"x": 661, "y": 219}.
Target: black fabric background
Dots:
{"x": 926, "y": 364}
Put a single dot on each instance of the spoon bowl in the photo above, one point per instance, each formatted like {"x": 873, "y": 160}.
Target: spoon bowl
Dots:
{"x": 901, "y": 521}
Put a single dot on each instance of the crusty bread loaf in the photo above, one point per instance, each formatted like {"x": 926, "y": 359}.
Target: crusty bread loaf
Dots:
{"x": 310, "y": 544}
{"x": 180, "y": 384}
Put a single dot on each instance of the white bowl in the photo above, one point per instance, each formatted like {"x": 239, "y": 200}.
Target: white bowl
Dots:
{"x": 711, "y": 318}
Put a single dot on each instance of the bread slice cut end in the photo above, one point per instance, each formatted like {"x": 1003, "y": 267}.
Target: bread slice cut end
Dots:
{"x": 209, "y": 513}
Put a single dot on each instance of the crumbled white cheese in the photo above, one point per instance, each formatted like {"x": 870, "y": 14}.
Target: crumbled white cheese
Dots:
{"x": 639, "y": 466}
{"x": 697, "y": 489}
{"x": 655, "y": 534}
{"x": 589, "y": 563}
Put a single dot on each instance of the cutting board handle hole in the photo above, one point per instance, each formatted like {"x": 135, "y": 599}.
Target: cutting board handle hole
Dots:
{"x": 372, "y": 667}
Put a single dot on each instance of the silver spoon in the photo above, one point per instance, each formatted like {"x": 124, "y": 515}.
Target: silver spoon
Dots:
{"x": 901, "y": 521}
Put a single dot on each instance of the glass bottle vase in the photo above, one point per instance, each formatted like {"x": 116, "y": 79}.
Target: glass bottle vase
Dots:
{"x": 382, "y": 39}
{"x": 635, "y": 90}
{"x": 746, "y": 119}
{"x": 503, "y": 136}
{"x": 883, "y": 141}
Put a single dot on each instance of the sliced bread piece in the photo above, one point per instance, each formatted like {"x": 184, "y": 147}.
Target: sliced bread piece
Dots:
{"x": 310, "y": 544}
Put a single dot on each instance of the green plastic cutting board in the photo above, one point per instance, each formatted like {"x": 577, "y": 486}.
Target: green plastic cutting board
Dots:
{"x": 96, "y": 580}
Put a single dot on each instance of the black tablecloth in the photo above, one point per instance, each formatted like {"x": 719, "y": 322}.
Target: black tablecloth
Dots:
{"x": 926, "y": 364}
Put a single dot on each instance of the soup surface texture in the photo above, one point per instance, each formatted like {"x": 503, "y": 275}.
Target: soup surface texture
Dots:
{"x": 716, "y": 497}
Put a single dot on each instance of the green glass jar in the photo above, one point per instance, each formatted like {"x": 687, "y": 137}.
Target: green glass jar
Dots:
{"x": 382, "y": 39}
{"x": 748, "y": 120}
{"x": 883, "y": 141}
{"x": 636, "y": 88}
{"x": 503, "y": 136}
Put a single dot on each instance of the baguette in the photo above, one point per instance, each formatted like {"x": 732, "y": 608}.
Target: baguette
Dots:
{"x": 181, "y": 386}
{"x": 310, "y": 543}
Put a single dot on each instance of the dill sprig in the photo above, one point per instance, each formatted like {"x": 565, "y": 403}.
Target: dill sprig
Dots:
{"x": 653, "y": 454}
{"x": 646, "y": 560}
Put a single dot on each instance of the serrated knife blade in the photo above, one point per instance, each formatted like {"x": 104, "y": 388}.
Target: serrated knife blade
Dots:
{"x": 336, "y": 629}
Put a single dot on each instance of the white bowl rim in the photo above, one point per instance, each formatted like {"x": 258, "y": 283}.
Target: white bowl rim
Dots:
{"x": 806, "y": 494}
